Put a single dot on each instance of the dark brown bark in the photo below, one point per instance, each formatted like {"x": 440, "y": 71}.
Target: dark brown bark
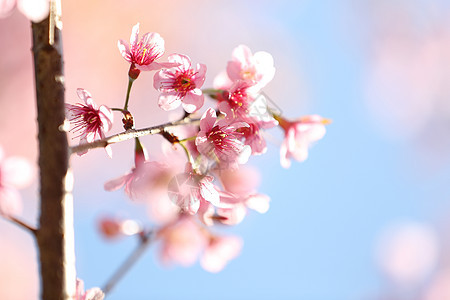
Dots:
{"x": 55, "y": 232}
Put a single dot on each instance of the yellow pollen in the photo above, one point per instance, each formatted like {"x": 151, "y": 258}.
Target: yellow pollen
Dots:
{"x": 326, "y": 121}
{"x": 143, "y": 55}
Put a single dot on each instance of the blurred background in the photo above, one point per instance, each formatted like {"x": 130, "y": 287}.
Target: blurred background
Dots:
{"x": 365, "y": 217}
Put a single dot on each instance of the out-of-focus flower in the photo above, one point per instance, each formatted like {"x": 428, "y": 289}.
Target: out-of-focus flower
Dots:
{"x": 142, "y": 54}
{"x": 189, "y": 189}
{"x": 91, "y": 294}
{"x": 139, "y": 180}
{"x": 111, "y": 227}
{"x": 185, "y": 240}
{"x": 238, "y": 196}
{"x": 256, "y": 67}
{"x": 220, "y": 250}
{"x": 181, "y": 84}
{"x": 89, "y": 120}
{"x": 299, "y": 135}
{"x": 233, "y": 207}
{"x": 439, "y": 288}
{"x": 220, "y": 140}
{"x": 408, "y": 252}
{"x": 182, "y": 242}
{"x": 15, "y": 173}
{"x": 35, "y": 10}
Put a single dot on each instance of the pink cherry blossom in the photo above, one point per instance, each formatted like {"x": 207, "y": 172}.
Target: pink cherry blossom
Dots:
{"x": 239, "y": 195}
{"x": 299, "y": 136}
{"x": 238, "y": 99}
{"x": 89, "y": 120}
{"x": 15, "y": 173}
{"x": 142, "y": 54}
{"x": 141, "y": 180}
{"x": 220, "y": 250}
{"x": 233, "y": 207}
{"x": 221, "y": 139}
{"x": 241, "y": 181}
{"x": 112, "y": 227}
{"x": 257, "y": 67}
{"x": 91, "y": 294}
{"x": 182, "y": 241}
{"x": 181, "y": 85}
{"x": 188, "y": 190}
{"x": 35, "y": 10}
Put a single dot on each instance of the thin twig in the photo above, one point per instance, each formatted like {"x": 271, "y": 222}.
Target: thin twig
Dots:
{"x": 144, "y": 242}
{"x": 131, "y": 134}
{"x": 21, "y": 224}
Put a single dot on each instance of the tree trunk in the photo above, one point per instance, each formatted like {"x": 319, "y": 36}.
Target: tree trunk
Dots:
{"x": 55, "y": 236}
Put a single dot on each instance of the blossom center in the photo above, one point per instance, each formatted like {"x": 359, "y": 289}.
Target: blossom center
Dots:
{"x": 223, "y": 140}
{"x": 183, "y": 82}
{"x": 144, "y": 54}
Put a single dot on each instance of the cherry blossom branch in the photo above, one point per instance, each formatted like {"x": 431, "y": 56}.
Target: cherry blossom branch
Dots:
{"x": 55, "y": 236}
{"x": 144, "y": 242}
{"x": 22, "y": 224}
{"x": 130, "y": 134}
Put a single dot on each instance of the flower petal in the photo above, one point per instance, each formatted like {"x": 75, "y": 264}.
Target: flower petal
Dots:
{"x": 117, "y": 183}
{"x": 208, "y": 120}
{"x": 183, "y": 61}
{"x": 193, "y": 101}
{"x": 169, "y": 101}
{"x": 124, "y": 50}
{"x": 134, "y": 35}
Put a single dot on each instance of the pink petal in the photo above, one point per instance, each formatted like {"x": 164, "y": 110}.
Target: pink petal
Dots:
{"x": 208, "y": 120}
{"x": 208, "y": 192}
{"x": 205, "y": 213}
{"x": 169, "y": 101}
{"x": 94, "y": 294}
{"x": 156, "y": 42}
{"x": 242, "y": 181}
{"x": 258, "y": 202}
{"x": 108, "y": 150}
{"x": 242, "y": 54}
{"x": 199, "y": 78}
{"x": 115, "y": 184}
{"x": 220, "y": 252}
{"x": 284, "y": 158}
{"x": 234, "y": 70}
{"x": 106, "y": 117}
{"x": 193, "y": 101}
{"x": 156, "y": 66}
{"x": 162, "y": 77}
{"x": 86, "y": 97}
{"x": 265, "y": 68}
{"x": 203, "y": 146}
{"x": 134, "y": 35}
{"x": 124, "y": 50}
{"x": 183, "y": 61}
{"x": 244, "y": 155}
{"x": 241, "y": 57}
{"x": 234, "y": 215}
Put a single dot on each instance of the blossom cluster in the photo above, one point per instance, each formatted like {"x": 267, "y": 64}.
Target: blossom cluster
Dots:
{"x": 210, "y": 183}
